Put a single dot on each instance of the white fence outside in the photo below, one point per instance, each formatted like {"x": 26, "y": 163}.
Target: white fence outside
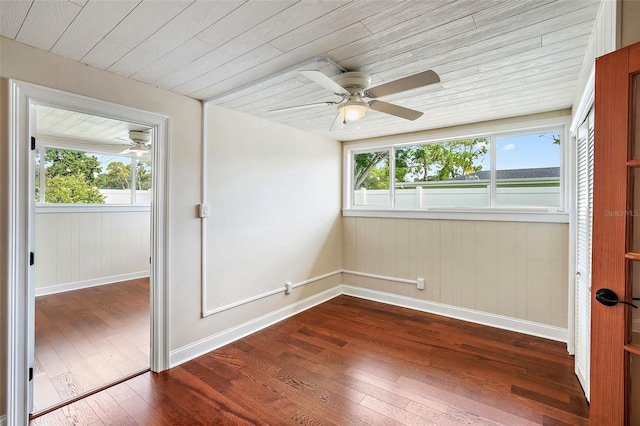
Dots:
{"x": 421, "y": 197}
{"x": 123, "y": 196}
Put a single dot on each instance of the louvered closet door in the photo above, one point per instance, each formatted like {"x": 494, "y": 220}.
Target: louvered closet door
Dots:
{"x": 583, "y": 257}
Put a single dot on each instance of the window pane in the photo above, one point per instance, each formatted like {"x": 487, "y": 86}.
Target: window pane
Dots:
{"x": 443, "y": 174}
{"x": 36, "y": 167}
{"x": 528, "y": 170}
{"x": 114, "y": 181}
{"x": 371, "y": 179}
{"x": 70, "y": 177}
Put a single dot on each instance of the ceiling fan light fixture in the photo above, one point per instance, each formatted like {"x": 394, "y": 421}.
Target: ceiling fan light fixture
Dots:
{"x": 352, "y": 110}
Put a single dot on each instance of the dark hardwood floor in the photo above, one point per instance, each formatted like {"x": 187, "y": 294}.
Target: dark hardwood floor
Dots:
{"x": 85, "y": 339}
{"x": 353, "y": 362}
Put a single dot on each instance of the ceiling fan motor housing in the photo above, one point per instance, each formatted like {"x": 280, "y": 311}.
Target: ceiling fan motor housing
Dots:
{"x": 354, "y": 82}
{"x": 139, "y": 137}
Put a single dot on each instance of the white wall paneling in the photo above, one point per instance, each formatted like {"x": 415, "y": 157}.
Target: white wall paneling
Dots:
{"x": 89, "y": 247}
{"x": 511, "y": 269}
{"x": 470, "y": 315}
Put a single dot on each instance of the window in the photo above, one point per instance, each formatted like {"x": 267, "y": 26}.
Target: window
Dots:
{"x": 495, "y": 171}
{"x": 528, "y": 170}
{"x": 65, "y": 176}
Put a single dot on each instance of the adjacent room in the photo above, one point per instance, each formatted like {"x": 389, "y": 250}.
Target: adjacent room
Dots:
{"x": 319, "y": 212}
{"x": 92, "y": 179}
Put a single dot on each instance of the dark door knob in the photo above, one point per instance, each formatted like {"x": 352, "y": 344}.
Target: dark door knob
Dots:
{"x": 609, "y": 298}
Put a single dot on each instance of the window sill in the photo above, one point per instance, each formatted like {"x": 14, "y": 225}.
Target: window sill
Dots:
{"x": 91, "y": 208}
{"x": 494, "y": 214}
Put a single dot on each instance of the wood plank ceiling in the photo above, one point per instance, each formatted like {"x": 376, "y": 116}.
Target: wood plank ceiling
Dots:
{"x": 57, "y": 127}
{"x": 495, "y": 58}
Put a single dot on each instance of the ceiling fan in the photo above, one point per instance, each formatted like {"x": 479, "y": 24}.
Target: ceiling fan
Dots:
{"x": 353, "y": 88}
{"x": 139, "y": 143}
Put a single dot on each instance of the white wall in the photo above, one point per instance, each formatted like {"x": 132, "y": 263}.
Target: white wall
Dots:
{"x": 604, "y": 39}
{"x": 616, "y": 27}
{"x": 83, "y": 248}
{"x": 275, "y": 200}
{"x": 629, "y": 18}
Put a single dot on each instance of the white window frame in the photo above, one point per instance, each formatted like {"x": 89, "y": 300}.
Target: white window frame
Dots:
{"x": 493, "y": 213}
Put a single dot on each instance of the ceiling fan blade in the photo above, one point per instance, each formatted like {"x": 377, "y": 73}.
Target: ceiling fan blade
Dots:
{"x": 324, "y": 81}
{"x": 397, "y": 110}
{"x": 306, "y": 106}
{"x": 126, "y": 151}
{"x": 407, "y": 83}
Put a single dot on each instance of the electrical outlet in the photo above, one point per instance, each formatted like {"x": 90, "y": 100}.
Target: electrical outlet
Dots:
{"x": 420, "y": 283}
{"x": 288, "y": 286}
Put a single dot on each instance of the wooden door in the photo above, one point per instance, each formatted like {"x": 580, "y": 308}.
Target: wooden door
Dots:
{"x": 615, "y": 348}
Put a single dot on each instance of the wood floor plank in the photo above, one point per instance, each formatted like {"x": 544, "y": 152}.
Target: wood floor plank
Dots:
{"x": 88, "y": 338}
{"x": 81, "y": 413}
{"x": 350, "y": 362}
{"x": 304, "y": 393}
{"x": 462, "y": 402}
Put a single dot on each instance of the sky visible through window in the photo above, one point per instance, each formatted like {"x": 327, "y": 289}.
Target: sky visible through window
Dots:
{"x": 525, "y": 152}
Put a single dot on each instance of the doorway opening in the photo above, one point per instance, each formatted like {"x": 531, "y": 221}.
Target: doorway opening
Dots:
{"x": 92, "y": 189}
{"x": 24, "y": 100}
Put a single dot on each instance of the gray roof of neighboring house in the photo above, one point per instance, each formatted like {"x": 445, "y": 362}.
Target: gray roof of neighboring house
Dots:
{"x": 537, "y": 173}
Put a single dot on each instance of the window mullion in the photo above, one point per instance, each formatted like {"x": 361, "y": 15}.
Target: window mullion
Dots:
{"x": 134, "y": 184}
{"x": 492, "y": 173}
{"x": 392, "y": 177}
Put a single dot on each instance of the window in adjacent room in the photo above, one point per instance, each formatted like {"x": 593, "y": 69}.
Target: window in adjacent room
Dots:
{"x": 65, "y": 176}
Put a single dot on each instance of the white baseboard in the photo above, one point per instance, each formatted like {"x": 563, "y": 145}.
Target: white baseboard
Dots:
{"x": 61, "y": 288}
{"x": 584, "y": 382}
{"x": 208, "y": 344}
{"x": 493, "y": 320}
